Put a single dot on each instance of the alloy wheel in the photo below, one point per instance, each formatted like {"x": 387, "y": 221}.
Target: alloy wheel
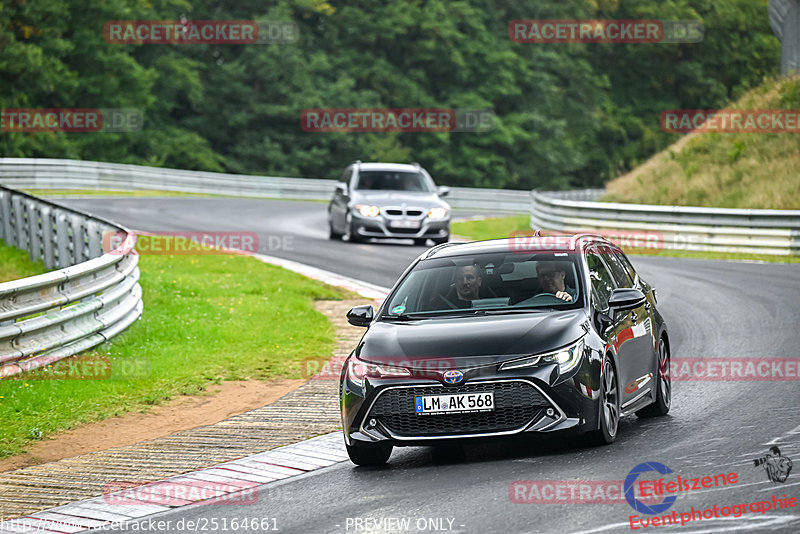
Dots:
{"x": 610, "y": 399}
{"x": 665, "y": 382}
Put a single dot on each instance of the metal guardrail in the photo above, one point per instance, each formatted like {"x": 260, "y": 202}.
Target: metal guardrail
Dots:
{"x": 688, "y": 228}
{"x": 672, "y": 227}
{"x": 26, "y": 173}
{"x": 90, "y": 298}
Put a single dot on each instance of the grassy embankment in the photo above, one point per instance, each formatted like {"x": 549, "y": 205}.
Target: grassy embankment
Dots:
{"x": 746, "y": 170}
{"x": 725, "y": 170}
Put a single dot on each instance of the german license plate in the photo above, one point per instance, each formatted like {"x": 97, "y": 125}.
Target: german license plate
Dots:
{"x": 404, "y": 224}
{"x": 456, "y": 403}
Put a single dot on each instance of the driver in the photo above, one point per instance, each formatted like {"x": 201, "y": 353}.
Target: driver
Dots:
{"x": 551, "y": 278}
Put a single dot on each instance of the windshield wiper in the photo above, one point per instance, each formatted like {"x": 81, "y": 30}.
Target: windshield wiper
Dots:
{"x": 504, "y": 311}
{"x": 468, "y": 312}
{"x": 430, "y": 315}
{"x": 399, "y": 317}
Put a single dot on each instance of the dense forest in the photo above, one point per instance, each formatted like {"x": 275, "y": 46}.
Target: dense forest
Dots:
{"x": 567, "y": 115}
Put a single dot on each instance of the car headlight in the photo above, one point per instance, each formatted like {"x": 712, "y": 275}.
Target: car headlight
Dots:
{"x": 437, "y": 213}
{"x": 368, "y": 211}
{"x": 566, "y": 358}
{"x": 358, "y": 370}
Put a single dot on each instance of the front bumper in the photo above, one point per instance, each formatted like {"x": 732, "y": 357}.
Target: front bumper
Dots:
{"x": 386, "y": 227}
{"x": 535, "y": 403}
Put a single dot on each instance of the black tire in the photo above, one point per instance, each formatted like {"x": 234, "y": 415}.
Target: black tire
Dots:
{"x": 663, "y": 385}
{"x": 333, "y": 234}
{"x": 421, "y": 241}
{"x": 441, "y": 240}
{"x": 351, "y": 236}
{"x": 609, "y": 406}
{"x": 369, "y": 454}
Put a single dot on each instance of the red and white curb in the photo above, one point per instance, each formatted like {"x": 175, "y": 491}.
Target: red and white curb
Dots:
{"x": 234, "y": 482}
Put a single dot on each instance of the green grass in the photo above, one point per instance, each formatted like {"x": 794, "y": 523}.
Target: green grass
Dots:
{"x": 482, "y": 230}
{"x": 15, "y": 264}
{"x": 206, "y": 319}
{"x": 726, "y": 170}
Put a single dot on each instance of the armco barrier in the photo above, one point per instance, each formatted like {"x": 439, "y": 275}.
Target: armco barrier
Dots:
{"x": 24, "y": 173}
{"x": 687, "y": 228}
{"x": 677, "y": 227}
{"x": 90, "y": 298}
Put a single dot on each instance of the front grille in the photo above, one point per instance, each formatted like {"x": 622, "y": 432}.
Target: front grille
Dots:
{"x": 516, "y": 405}
{"x": 414, "y": 213}
{"x": 394, "y": 212}
{"x": 404, "y": 230}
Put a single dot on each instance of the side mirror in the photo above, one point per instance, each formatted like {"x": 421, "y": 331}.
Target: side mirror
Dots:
{"x": 625, "y": 299}
{"x": 443, "y": 191}
{"x": 341, "y": 188}
{"x": 360, "y": 315}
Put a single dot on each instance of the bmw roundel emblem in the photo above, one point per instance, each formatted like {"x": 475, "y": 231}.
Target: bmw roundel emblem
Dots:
{"x": 453, "y": 377}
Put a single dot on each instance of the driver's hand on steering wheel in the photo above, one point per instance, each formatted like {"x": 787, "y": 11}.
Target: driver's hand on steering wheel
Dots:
{"x": 563, "y": 295}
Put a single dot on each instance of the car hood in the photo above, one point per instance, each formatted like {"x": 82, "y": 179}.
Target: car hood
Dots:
{"x": 396, "y": 198}
{"x": 480, "y": 340}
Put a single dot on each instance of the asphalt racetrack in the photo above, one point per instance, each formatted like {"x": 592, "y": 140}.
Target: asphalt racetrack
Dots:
{"x": 713, "y": 309}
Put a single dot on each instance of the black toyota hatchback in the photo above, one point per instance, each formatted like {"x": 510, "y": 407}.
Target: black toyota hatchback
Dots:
{"x": 504, "y": 337}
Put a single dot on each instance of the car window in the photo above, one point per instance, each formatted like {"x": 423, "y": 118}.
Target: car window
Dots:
{"x": 392, "y": 181}
{"x": 618, "y": 270}
{"x": 490, "y": 282}
{"x": 626, "y": 263}
{"x": 601, "y": 279}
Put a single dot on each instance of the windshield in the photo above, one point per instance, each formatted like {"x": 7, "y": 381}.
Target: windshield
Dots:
{"x": 393, "y": 181}
{"x": 491, "y": 283}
